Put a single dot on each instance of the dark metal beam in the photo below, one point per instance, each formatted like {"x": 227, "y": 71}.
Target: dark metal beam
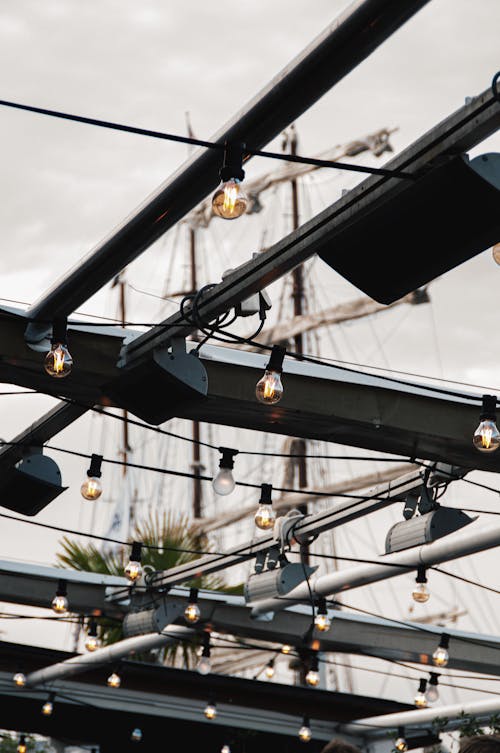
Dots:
{"x": 341, "y": 47}
{"x": 465, "y": 128}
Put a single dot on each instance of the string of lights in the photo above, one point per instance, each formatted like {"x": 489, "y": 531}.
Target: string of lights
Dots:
{"x": 248, "y": 151}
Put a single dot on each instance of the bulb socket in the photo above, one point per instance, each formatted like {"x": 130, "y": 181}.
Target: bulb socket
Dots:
{"x": 433, "y": 678}
{"x": 488, "y": 408}
{"x": 227, "y": 459}
{"x": 422, "y": 686}
{"x": 322, "y": 605}
{"x": 266, "y": 494}
{"x": 193, "y": 595}
{"x": 92, "y": 628}
{"x": 59, "y": 332}
{"x": 421, "y": 575}
{"x": 232, "y": 167}
{"x": 276, "y": 359}
{"x": 313, "y": 661}
{"x": 136, "y": 553}
{"x": 94, "y": 470}
{"x": 62, "y": 588}
{"x": 445, "y": 641}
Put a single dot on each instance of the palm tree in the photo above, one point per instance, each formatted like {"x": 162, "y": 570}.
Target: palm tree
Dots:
{"x": 172, "y": 543}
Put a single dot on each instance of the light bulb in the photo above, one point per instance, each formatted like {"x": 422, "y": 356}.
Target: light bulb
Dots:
{"x": 401, "y": 745}
{"x": 19, "y": 679}
{"x": 133, "y": 570}
{"x": 92, "y": 643}
{"x": 91, "y": 488}
{"x": 440, "y": 657}
{"x": 269, "y": 671}
{"x": 420, "y": 700}
{"x": 47, "y": 708}
{"x": 420, "y": 593}
{"x": 230, "y": 200}
{"x": 21, "y": 748}
{"x": 305, "y": 733}
{"x": 225, "y": 749}
{"x": 322, "y": 622}
{"x": 58, "y": 361}
{"x": 60, "y": 604}
{"x": 269, "y": 389}
{"x": 286, "y": 649}
{"x": 312, "y": 678}
{"x": 204, "y": 665}
{"x": 114, "y": 680}
{"x": 432, "y": 694}
{"x": 486, "y": 437}
{"x": 210, "y": 711}
{"x": 136, "y": 735}
{"x": 192, "y": 613}
{"x": 224, "y": 482}
{"x": 495, "y": 252}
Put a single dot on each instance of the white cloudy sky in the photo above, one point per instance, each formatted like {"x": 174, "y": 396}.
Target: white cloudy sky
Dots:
{"x": 65, "y": 186}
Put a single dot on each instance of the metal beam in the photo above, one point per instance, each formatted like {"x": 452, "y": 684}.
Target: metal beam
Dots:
{"x": 340, "y": 513}
{"x": 331, "y": 56}
{"x": 460, "y": 544}
{"x": 465, "y": 128}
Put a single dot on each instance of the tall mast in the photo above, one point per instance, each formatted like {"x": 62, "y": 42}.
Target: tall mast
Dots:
{"x": 123, "y": 317}
{"x": 196, "y": 464}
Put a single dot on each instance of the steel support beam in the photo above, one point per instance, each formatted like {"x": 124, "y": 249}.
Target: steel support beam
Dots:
{"x": 341, "y": 47}
{"x": 462, "y": 130}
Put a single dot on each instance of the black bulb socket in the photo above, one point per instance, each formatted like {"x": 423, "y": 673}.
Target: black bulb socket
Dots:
{"x": 276, "y": 359}
{"x": 488, "y": 408}
{"x": 421, "y": 576}
{"x": 227, "y": 459}
{"x": 266, "y": 494}
{"x": 94, "y": 470}
{"x": 232, "y": 167}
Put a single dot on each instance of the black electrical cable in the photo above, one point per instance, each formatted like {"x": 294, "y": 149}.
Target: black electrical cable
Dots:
{"x": 284, "y": 157}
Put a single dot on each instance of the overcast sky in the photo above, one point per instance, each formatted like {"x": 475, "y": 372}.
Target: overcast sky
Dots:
{"x": 65, "y": 186}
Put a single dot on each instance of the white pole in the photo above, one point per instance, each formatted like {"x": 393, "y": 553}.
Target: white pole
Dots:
{"x": 448, "y": 548}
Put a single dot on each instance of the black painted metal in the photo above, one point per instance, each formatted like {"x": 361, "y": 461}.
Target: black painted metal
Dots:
{"x": 339, "y": 49}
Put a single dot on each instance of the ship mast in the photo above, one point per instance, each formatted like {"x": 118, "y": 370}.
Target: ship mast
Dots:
{"x": 196, "y": 462}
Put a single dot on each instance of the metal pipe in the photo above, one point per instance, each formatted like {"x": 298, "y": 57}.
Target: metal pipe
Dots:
{"x": 448, "y": 548}
{"x": 421, "y": 717}
{"x": 346, "y": 42}
{"x": 108, "y": 654}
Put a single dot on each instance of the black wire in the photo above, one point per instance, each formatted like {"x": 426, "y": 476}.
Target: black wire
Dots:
{"x": 284, "y": 157}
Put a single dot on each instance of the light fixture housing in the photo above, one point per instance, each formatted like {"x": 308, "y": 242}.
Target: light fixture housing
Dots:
{"x": 60, "y": 601}
{"x": 230, "y": 200}
{"x": 91, "y": 488}
{"x": 133, "y": 570}
{"x": 269, "y": 389}
{"x": 312, "y": 676}
{"x": 420, "y": 699}
{"x": 487, "y": 437}
{"x": 420, "y": 592}
{"x": 322, "y": 621}
{"x": 305, "y": 733}
{"x": 58, "y": 361}
{"x": 92, "y": 642}
{"x": 204, "y": 665}
{"x": 432, "y": 693}
{"x": 441, "y": 657}
{"x": 265, "y": 516}
{"x": 224, "y": 483}
{"x": 192, "y": 611}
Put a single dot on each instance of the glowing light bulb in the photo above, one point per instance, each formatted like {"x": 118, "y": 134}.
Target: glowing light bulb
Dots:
{"x": 420, "y": 593}
{"x": 58, "y": 361}
{"x": 21, "y": 747}
{"x": 204, "y": 665}
{"x": 114, "y": 680}
{"x": 230, "y": 200}
{"x": 265, "y": 516}
{"x": 210, "y": 711}
{"x": 47, "y": 708}
{"x": 19, "y": 679}
{"x": 269, "y": 671}
{"x": 312, "y": 678}
{"x": 269, "y": 389}
{"x": 192, "y": 612}
{"x": 136, "y": 735}
{"x": 92, "y": 642}
{"x": 487, "y": 437}
{"x": 440, "y": 657}
{"x": 286, "y": 649}
{"x": 420, "y": 699}
{"x": 305, "y": 733}
{"x": 133, "y": 570}
{"x": 91, "y": 488}
{"x": 60, "y": 604}
{"x": 401, "y": 745}
{"x": 225, "y": 749}
{"x": 322, "y": 621}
